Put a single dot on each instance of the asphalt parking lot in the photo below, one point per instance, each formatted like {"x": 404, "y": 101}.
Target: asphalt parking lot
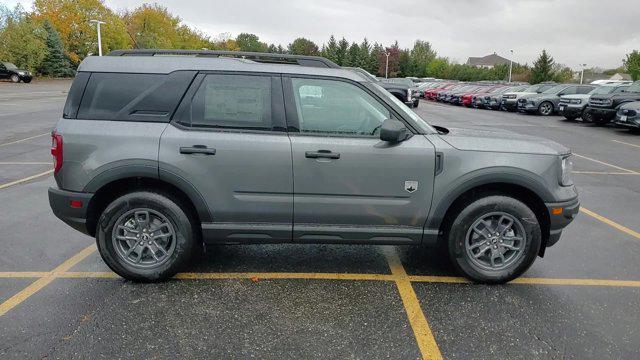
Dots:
{"x": 59, "y": 300}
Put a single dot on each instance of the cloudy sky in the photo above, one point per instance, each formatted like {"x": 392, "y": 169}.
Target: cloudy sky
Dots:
{"x": 595, "y": 32}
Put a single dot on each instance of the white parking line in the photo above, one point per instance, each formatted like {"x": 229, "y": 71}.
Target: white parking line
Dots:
{"x": 25, "y": 139}
{"x": 626, "y": 143}
{"x": 607, "y": 164}
{"x": 25, "y": 163}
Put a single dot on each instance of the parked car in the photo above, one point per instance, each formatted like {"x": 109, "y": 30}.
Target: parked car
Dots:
{"x": 509, "y": 100}
{"x": 469, "y": 99}
{"x": 155, "y": 156}
{"x": 400, "y": 90}
{"x": 603, "y": 108}
{"x": 492, "y": 100}
{"x": 432, "y": 94}
{"x": 575, "y": 106}
{"x": 546, "y": 103}
{"x": 11, "y": 72}
{"x": 629, "y": 115}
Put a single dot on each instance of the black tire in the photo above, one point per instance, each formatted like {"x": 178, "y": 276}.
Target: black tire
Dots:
{"x": 183, "y": 230}
{"x": 545, "y": 108}
{"x": 461, "y": 228}
{"x": 600, "y": 121}
{"x": 15, "y": 78}
{"x": 26, "y": 81}
{"x": 586, "y": 116}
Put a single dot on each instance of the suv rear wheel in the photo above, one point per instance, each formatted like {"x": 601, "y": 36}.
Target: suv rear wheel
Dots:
{"x": 15, "y": 78}
{"x": 145, "y": 236}
{"x": 545, "y": 109}
{"x": 494, "y": 239}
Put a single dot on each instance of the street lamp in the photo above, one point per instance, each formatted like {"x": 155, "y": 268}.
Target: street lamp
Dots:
{"x": 510, "y": 65}
{"x": 386, "y": 68}
{"x": 582, "y": 73}
{"x": 98, "y": 22}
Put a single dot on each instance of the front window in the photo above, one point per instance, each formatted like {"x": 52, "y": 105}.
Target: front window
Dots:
{"x": 635, "y": 87}
{"x": 603, "y": 90}
{"x": 554, "y": 89}
{"x": 336, "y": 108}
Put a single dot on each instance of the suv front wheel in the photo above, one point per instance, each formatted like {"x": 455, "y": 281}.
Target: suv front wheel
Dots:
{"x": 145, "y": 236}
{"x": 494, "y": 239}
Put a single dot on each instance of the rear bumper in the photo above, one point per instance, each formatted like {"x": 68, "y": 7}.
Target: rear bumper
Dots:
{"x": 561, "y": 214}
{"x": 76, "y": 217}
{"x": 630, "y": 121}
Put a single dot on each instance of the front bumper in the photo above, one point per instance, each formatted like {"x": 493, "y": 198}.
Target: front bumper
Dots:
{"x": 570, "y": 111}
{"x": 604, "y": 113}
{"x": 561, "y": 214}
{"x": 527, "y": 107}
{"x": 509, "y": 105}
{"x": 629, "y": 121}
{"x": 74, "y": 216}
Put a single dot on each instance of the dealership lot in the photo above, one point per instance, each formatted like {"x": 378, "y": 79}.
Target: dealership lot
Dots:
{"x": 59, "y": 300}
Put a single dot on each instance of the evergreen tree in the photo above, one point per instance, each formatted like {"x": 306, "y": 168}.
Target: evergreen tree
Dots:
{"x": 341, "y": 51}
{"x": 632, "y": 64}
{"x": 330, "y": 50}
{"x": 363, "y": 55}
{"x": 56, "y": 63}
{"x": 374, "y": 59}
{"x": 543, "y": 69}
{"x": 353, "y": 54}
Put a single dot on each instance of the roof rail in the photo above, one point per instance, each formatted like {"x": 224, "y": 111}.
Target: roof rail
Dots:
{"x": 273, "y": 58}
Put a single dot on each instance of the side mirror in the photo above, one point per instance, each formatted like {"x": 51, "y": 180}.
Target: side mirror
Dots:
{"x": 393, "y": 131}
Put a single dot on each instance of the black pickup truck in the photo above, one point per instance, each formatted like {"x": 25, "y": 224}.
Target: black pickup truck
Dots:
{"x": 403, "y": 92}
{"x": 603, "y": 108}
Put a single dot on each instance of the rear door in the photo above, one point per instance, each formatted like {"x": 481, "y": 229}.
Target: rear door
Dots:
{"x": 228, "y": 141}
{"x": 349, "y": 186}
{"x": 3, "y": 71}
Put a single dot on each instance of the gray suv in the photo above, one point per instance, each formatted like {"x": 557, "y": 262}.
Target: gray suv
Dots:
{"x": 156, "y": 156}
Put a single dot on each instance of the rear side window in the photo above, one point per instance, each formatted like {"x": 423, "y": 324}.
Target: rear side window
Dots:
{"x": 133, "y": 97}
{"x": 232, "y": 101}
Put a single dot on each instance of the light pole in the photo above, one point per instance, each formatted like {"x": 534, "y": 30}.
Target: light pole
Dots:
{"x": 98, "y": 23}
{"x": 510, "y": 65}
{"x": 386, "y": 68}
{"x": 582, "y": 73}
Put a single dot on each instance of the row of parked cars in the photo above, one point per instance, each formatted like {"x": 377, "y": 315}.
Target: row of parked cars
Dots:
{"x": 617, "y": 102}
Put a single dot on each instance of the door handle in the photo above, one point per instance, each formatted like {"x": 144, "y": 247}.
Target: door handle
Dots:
{"x": 324, "y": 154}
{"x": 197, "y": 149}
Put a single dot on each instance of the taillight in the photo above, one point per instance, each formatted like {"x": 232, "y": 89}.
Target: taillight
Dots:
{"x": 56, "y": 151}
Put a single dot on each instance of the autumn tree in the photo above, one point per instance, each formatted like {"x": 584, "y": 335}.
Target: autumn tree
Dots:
{"x": 632, "y": 64}
{"x": 393, "y": 58}
{"x": 55, "y": 63}
{"x": 302, "y": 46}
{"x": 70, "y": 18}
{"x": 22, "y": 40}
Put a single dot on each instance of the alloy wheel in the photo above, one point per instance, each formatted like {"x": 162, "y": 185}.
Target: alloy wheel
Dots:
{"x": 495, "y": 241}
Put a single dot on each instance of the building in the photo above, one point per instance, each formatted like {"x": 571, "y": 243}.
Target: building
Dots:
{"x": 488, "y": 61}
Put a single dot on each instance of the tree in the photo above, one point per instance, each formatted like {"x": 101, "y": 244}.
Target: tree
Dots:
{"x": 363, "y": 56}
{"x": 55, "y": 63}
{"x": 341, "y": 52}
{"x": 632, "y": 64}
{"x": 353, "y": 56}
{"x": 302, "y": 46}
{"x": 374, "y": 59}
{"x": 543, "y": 69}
{"x": 71, "y": 18}
{"x": 22, "y": 40}
{"x": 330, "y": 50}
{"x": 394, "y": 61}
{"x": 420, "y": 57}
{"x": 250, "y": 42}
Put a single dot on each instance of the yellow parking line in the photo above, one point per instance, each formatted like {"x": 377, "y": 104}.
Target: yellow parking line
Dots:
{"x": 23, "y": 274}
{"x": 626, "y": 143}
{"x": 25, "y": 139}
{"x": 28, "y": 178}
{"x": 611, "y": 223}
{"x": 44, "y": 281}
{"x": 421, "y": 330}
{"x": 532, "y": 281}
{"x": 247, "y": 275}
{"x": 605, "y": 163}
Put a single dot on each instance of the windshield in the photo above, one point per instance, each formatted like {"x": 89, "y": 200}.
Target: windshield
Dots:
{"x": 554, "y": 89}
{"x": 9, "y": 66}
{"x": 532, "y": 88}
{"x": 402, "y": 81}
{"x": 602, "y": 90}
{"x": 635, "y": 87}
{"x": 417, "y": 119}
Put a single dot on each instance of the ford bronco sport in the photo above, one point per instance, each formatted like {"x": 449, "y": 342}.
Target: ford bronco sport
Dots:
{"x": 155, "y": 156}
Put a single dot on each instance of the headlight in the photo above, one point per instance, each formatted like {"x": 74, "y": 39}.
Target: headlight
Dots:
{"x": 567, "y": 168}
{"x": 575, "y": 101}
{"x": 408, "y": 94}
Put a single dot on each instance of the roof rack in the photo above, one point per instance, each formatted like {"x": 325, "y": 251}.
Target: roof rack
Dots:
{"x": 272, "y": 58}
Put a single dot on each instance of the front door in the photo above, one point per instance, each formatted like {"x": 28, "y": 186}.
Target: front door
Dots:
{"x": 228, "y": 141}
{"x": 349, "y": 186}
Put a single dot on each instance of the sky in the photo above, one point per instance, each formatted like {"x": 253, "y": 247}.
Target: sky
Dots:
{"x": 593, "y": 32}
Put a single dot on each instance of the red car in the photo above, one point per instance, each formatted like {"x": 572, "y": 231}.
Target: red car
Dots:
{"x": 468, "y": 98}
{"x": 432, "y": 93}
